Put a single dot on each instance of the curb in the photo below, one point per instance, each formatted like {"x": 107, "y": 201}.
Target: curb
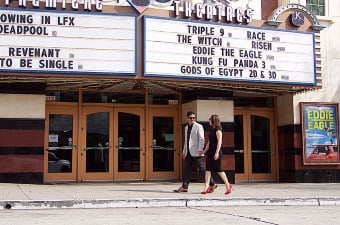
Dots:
{"x": 164, "y": 202}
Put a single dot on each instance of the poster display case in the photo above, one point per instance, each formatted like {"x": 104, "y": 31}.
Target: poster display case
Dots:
{"x": 320, "y": 133}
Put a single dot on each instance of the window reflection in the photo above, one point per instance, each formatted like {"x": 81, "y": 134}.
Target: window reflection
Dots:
{"x": 239, "y": 144}
{"x": 260, "y": 144}
{"x": 163, "y": 144}
{"x": 60, "y": 143}
{"x": 128, "y": 142}
{"x": 97, "y": 142}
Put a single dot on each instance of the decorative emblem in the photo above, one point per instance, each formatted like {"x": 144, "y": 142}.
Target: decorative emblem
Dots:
{"x": 297, "y": 19}
{"x": 139, "y": 5}
{"x": 273, "y": 19}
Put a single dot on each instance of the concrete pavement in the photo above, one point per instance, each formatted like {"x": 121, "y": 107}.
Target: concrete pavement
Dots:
{"x": 160, "y": 194}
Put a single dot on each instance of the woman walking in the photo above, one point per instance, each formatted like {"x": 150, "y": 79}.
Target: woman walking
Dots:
{"x": 214, "y": 154}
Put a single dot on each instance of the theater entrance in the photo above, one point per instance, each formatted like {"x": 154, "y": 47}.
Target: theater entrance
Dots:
{"x": 254, "y": 144}
{"x": 101, "y": 142}
{"x": 112, "y": 143}
{"x": 61, "y": 142}
{"x": 163, "y": 152}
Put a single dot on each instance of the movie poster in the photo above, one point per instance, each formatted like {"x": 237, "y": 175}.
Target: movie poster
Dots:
{"x": 320, "y": 129}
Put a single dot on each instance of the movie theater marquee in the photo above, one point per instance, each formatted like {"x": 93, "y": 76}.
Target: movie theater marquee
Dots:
{"x": 195, "y": 49}
{"x": 57, "y": 42}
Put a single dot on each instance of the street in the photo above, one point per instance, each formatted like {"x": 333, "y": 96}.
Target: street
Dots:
{"x": 250, "y": 215}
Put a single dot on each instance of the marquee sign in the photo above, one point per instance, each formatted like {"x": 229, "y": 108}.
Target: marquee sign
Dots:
{"x": 87, "y": 5}
{"x": 198, "y": 50}
{"x": 214, "y": 10}
{"x": 58, "y": 42}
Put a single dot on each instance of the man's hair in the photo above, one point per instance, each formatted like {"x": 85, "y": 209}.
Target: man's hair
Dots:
{"x": 189, "y": 113}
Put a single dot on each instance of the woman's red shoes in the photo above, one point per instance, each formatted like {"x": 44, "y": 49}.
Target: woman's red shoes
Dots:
{"x": 229, "y": 189}
{"x": 208, "y": 190}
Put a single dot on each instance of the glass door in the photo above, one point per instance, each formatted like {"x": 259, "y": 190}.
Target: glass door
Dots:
{"x": 254, "y": 145}
{"x": 240, "y": 142}
{"x": 96, "y": 152}
{"x": 60, "y": 159}
{"x": 163, "y": 151}
{"x": 129, "y": 144}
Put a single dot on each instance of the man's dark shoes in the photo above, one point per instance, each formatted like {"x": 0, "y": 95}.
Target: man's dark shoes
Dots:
{"x": 212, "y": 188}
{"x": 181, "y": 189}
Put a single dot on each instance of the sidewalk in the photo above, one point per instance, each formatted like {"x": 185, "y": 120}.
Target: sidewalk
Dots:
{"x": 160, "y": 194}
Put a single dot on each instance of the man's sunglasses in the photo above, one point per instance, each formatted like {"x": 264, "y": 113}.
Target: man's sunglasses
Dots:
{"x": 191, "y": 117}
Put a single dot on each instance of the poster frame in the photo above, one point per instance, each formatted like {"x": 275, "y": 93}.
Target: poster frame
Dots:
{"x": 314, "y": 140}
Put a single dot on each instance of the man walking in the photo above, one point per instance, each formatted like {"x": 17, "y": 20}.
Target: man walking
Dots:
{"x": 193, "y": 151}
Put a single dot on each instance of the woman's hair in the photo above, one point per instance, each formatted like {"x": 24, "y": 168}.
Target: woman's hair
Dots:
{"x": 215, "y": 122}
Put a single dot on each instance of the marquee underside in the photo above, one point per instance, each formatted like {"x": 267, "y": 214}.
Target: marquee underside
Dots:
{"x": 158, "y": 86}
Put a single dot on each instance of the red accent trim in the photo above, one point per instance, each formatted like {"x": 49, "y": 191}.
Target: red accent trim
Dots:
{"x": 21, "y": 138}
{"x": 21, "y": 163}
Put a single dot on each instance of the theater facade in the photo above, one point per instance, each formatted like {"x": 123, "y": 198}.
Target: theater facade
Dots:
{"x": 98, "y": 90}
